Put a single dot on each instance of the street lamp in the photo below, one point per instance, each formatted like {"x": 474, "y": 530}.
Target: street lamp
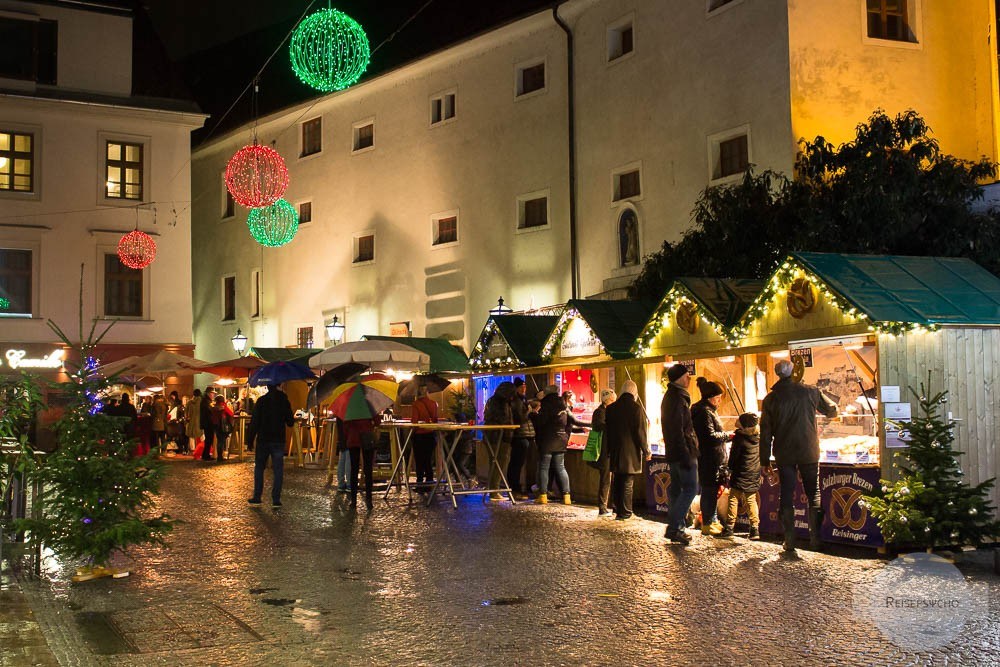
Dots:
{"x": 500, "y": 309}
{"x": 335, "y": 330}
{"x": 239, "y": 342}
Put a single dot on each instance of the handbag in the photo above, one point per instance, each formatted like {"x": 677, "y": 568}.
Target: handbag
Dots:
{"x": 592, "y": 450}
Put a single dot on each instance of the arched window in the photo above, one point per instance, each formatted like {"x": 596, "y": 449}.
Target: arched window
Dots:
{"x": 628, "y": 238}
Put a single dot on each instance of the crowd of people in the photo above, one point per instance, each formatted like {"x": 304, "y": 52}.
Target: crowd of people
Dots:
{"x": 695, "y": 445}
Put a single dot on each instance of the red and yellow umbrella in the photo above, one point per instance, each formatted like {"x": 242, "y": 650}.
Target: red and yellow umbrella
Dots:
{"x": 364, "y": 399}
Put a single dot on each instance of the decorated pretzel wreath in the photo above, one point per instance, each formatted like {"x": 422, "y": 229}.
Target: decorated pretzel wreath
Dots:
{"x": 801, "y": 299}
{"x": 687, "y": 317}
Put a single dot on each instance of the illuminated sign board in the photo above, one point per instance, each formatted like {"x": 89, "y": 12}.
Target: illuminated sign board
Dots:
{"x": 19, "y": 359}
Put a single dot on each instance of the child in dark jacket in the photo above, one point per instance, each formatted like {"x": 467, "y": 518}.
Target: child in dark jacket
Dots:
{"x": 744, "y": 479}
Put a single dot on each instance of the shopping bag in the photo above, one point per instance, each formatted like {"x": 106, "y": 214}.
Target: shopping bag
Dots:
{"x": 199, "y": 449}
{"x": 592, "y": 451}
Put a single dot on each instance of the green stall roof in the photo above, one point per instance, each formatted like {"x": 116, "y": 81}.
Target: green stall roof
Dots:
{"x": 615, "y": 323}
{"x": 918, "y": 290}
{"x": 298, "y": 354}
{"x": 445, "y": 357}
{"x": 526, "y": 335}
{"x": 726, "y": 299}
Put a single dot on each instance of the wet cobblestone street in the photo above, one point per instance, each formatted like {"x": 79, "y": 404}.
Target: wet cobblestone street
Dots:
{"x": 489, "y": 584}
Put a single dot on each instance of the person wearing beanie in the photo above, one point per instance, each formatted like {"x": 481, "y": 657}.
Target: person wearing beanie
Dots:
{"x": 603, "y": 462}
{"x": 788, "y": 429}
{"x": 712, "y": 439}
{"x": 520, "y": 442}
{"x": 681, "y": 446}
{"x": 552, "y": 435}
{"x": 744, "y": 475}
{"x": 627, "y": 447}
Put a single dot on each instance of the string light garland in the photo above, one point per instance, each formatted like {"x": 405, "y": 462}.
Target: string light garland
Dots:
{"x": 275, "y": 225}
{"x": 256, "y": 176}
{"x": 136, "y": 250}
{"x": 678, "y": 296}
{"x": 478, "y": 362}
{"x": 556, "y": 337}
{"x": 4, "y": 303}
{"x": 329, "y": 50}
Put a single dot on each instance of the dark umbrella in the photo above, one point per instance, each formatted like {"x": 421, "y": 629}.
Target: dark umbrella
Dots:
{"x": 278, "y": 372}
{"x": 408, "y": 389}
{"x": 330, "y": 380}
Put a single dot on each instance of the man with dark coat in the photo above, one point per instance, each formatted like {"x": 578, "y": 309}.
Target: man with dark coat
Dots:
{"x": 271, "y": 414}
{"x": 498, "y": 410}
{"x": 788, "y": 426}
{"x": 681, "y": 445}
{"x": 625, "y": 439}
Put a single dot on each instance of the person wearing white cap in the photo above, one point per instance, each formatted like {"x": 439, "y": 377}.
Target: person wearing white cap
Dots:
{"x": 788, "y": 428}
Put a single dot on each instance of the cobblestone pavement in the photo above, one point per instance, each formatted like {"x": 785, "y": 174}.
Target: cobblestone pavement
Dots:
{"x": 489, "y": 584}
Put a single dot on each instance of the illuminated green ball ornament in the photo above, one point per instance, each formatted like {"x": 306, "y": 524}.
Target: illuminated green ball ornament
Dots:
{"x": 275, "y": 225}
{"x": 329, "y": 50}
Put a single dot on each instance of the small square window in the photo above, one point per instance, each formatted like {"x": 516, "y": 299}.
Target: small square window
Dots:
{"x": 17, "y": 160}
{"x": 312, "y": 137}
{"x": 364, "y": 136}
{"x": 620, "y": 41}
{"x": 531, "y": 79}
{"x": 446, "y": 230}
{"x": 123, "y": 289}
{"x": 442, "y": 108}
{"x": 123, "y": 170}
{"x": 889, "y": 19}
{"x": 627, "y": 185}
{"x": 229, "y": 298}
{"x": 364, "y": 248}
{"x": 534, "y": 212}
{"x": 305, "y": 212}
{"x": 304, "y": 337}
{"x": 734, "y": 156}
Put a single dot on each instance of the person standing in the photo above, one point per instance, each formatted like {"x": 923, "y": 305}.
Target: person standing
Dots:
{"x": 712, "y": 441}
{"x": 788, "y": 428}
{"x": 681, "y": 448}
{"x": 603, "y": 462}
{"x": 361, "y": 448}
{"x": 498, "y": 411}
{"x": 159, "y": 412}
{"x": 271, "y": 415}
{"x": 207, "y": 427}
{"x": 222, "y": 421}
{"x": 744, "y": 475}
{"x": 627, "y": 446}
{"x": 552, "y": 434}
{"x": 192, "y": 414}
{"x": 425, "y": 411}
{"x": 520, "y": 441}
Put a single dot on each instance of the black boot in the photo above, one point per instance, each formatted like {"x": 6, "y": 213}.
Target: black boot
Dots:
{"x": 354, "y": 498}
{"x": 788, "y": 525}
{"x": 815, "y": 521}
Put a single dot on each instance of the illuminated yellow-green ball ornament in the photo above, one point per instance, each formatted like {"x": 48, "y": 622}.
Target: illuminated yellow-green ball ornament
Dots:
{"x": 329, "y": 50}
{"x": 275, "y": 225}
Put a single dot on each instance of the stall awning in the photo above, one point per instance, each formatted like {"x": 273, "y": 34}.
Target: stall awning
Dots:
{"x": 519, "y": 337}
{"x": 445, "y": 357}
{"x": 615, "y": 324}
{"x": 918, "y": 290}
{"x": 269, "y": 354}
{"x": 726, "y": 300}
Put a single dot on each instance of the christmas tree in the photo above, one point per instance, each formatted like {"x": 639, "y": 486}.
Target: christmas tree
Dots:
{"x": 930, "y": 506}
{"x": 97, "y": 498}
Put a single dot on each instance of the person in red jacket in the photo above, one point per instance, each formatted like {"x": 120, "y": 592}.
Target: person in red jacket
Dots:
{"x": 361, "y": 447}
{"x": 424, "y": 411}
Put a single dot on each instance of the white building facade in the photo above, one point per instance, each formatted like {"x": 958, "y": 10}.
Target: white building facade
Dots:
{"x": 83, "y": 161}
{"x": 435, "y": 188}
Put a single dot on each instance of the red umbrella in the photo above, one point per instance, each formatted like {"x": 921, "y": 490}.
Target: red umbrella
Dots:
{"x": 234, "y": 368}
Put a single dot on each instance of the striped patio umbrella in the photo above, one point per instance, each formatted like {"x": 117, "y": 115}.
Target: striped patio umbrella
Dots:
{"x": 365, "y": 399}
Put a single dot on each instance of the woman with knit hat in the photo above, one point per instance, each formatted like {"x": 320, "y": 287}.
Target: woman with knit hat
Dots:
{"x": 712, "y": 441}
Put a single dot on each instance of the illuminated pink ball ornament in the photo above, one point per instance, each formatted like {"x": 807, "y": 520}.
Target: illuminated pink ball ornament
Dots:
{"x": 137, "y": 250}
{"x": 256, "y": 176}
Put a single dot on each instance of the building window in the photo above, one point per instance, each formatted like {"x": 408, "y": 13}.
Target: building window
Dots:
{"x": 446, "y": 230}
{"x": 304, "y": 337}
{"x": 229, "y": 298}
{"x": 305, "y": 212}
{"x": 29, "y": 50}
{"x": 364, "y": 136}
{"x": 620, "y": 40}
{"x": 627, "y": 185}
{"x": 17, "y": 162}
{"x": 312, "y": 137}
{"x": 531, "y": 78}
{"x": 889, "y": 19}
{"x": 442, "y": 108}
{"x": 256, "y": 293}
{"x": 15, "y": 282}
{"x": 628, "y": 238}
{"x": 533, "y": 211}
{"x": 364, "y": 248}
{"x": 122, "y": 288}
{"x": 123, "y": 163}
{"x": 734, "y": 156}
{"x": 228, "y": 203}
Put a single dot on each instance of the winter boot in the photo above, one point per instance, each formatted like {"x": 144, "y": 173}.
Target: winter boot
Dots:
{"x": 788, "y": 526}
{"x": 542, "y": 499}
{"x": 567, "y": 500}
{"x": 754, "y": 533}
{"x": 815, "y": 521}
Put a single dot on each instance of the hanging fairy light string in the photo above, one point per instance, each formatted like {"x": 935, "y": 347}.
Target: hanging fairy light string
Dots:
{"x": 275, "y": 225}
{"x": 136, "y": 250}
{"x": 329, "y": 50}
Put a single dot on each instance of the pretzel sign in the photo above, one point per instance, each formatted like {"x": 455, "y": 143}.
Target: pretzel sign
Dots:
{"x": 801, "y": 299}
{"x": 687, "y": 317}
{"x": 844, "y": 500}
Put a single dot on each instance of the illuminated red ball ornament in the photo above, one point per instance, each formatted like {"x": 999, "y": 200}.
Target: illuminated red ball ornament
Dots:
{"x": 137, "y": 250}
{"x": 256, "y": 176}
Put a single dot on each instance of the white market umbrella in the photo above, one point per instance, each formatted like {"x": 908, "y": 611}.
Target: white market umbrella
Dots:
{"x": 158, "y": 364}
{"x": 376, "y": 354}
